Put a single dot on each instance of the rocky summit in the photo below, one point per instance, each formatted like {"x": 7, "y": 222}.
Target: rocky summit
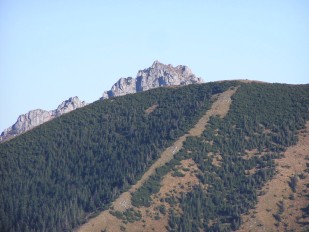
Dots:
{"x": 155, "y": 76}
{"x": 37, "y": 117}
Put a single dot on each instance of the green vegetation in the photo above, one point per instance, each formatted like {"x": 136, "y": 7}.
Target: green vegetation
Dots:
{"x": 263, "y": 117}
{"x": 162, "y": 209}
{"x": 178, "y": 174}
{"x": 293, "y": 183}
{"x": 142, "y": 197}
{"x": 280, "y": 211}
{"x": 130, "y": 215}
{"x": 56, "y": 175}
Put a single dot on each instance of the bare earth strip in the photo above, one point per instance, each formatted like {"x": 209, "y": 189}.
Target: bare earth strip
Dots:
{"x": 107, "y": 221}
{"x": 278, "y": 190}
{"x": 171, "y": 186}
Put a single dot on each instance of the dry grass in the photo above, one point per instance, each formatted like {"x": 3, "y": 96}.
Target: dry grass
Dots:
{"x": 151, "y": 109}
{"x": 216, "y": 161}
{"x": 251, "y": 153}
{"x": 173, "y": 185}
{"x": 278, "y": 189}
{"x": 170, "y": 184}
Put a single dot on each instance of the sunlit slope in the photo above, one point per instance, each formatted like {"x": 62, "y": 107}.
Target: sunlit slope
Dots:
{"x": 219, "y": 177}
{"x": 237, "y": 155}
{"x": 53, "y": 176}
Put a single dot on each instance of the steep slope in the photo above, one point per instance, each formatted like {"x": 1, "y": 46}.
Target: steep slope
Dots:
{"x": 280, "y": 206}
{"x": 155, "y": 76}
{"x": 57, "y": 174}
{"x": 111, "y": 223}
{"x": 237, "y": 155}
{"x": 216, "y": 178}
{"x": 60, "y": 174}
{"x": 37, "y": 117}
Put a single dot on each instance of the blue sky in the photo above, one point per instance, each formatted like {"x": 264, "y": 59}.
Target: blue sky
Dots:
{"x": 52, "y": 50}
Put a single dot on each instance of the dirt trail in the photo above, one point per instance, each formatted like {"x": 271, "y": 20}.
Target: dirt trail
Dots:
{"x": 219, "y": 107}
{"x": 278, "y": 190}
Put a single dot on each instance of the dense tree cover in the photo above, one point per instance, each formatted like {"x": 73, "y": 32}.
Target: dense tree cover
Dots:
{"x": 263, "y": 117}
{"x": 55, "y": 175}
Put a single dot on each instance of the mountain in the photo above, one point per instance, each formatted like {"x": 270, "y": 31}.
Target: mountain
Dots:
{"x": 37, "y": 117}
{"x": 218, "y": 156}
{"x": 155, "y": 76}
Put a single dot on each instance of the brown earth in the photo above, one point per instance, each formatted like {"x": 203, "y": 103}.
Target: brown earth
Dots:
{"x": 170, "y": 185}
{"x": 277, "y": 191}
{"x": 151, "y": 109}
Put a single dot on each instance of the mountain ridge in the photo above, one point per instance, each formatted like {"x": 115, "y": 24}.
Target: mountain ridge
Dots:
{"x": 37, "y": 117}
{"x": 124, "y": 202}
{"x": 157, "y": 75}
{"x": 60, "y": 174}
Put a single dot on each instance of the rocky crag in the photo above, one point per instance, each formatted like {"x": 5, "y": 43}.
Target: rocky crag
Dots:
{"x": 37, "y": 117}
{"x": 155, "y": 76}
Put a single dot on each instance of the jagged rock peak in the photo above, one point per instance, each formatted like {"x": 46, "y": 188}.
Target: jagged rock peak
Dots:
{"x": 71, "y": 104}
{"x": 37, "y": 117}
{"x": 155, "y": 76}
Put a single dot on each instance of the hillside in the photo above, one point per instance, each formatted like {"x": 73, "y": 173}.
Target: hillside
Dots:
{"x": 57, "y": 175}
{"x": 219, "y": 176}
{"x": 107, "y": 218}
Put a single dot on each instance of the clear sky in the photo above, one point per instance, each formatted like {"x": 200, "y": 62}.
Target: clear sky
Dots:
{"x": 52, "y": 50}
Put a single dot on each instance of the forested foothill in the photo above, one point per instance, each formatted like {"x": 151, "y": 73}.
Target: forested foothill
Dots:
{"x": 55, "y": 176}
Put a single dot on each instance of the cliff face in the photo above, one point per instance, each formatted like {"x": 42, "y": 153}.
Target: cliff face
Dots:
{"x": 37, "y": 117}
{"x": 155, "y": 76}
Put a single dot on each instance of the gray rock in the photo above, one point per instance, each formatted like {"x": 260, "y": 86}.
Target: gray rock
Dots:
{"x": 67, "y": 106}
{"x": 122, "y": 87}
{"x": 155, "y": 76}
{"x": 37, "y": 117}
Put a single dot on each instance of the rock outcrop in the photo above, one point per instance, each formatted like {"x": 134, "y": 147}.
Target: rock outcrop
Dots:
{"x": 155, "y": 76}
{"x": 67, "y": 106}
{"x": 37, "y": 117}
